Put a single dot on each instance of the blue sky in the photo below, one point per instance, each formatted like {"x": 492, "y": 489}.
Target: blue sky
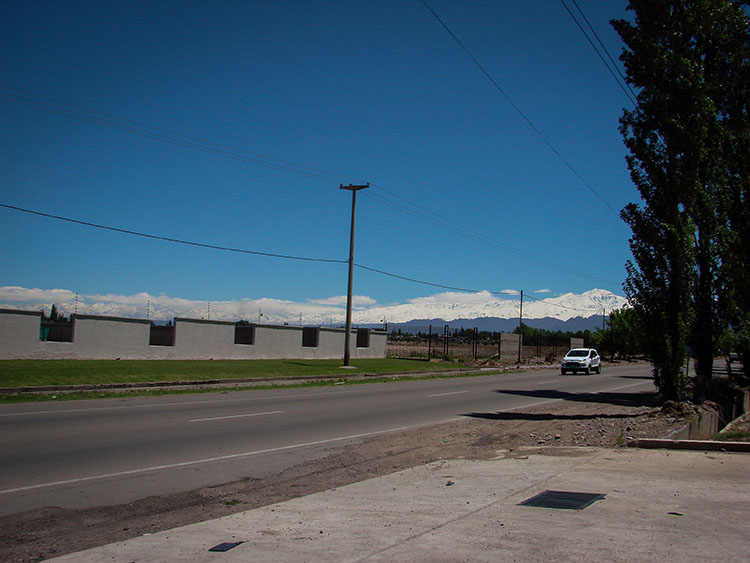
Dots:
{"x": 309, "y": 95}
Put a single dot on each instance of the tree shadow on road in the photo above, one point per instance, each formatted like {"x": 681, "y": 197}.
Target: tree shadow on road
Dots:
{"x": 636, "y": 376}
{"x": 545, "y": 416}
{"x": 645, "y": 399}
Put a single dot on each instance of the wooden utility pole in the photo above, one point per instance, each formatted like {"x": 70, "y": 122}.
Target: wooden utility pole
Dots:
{"x": 348, "y": 333}
{"x": 520, "y": 331}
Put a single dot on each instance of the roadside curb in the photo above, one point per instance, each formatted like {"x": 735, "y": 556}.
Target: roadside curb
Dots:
{"x": 235, "y": 381}
{"x": 706, "y": 445}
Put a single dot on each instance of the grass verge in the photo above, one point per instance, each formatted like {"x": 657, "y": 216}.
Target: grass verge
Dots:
{"x": 89, "y": 395}
{"x": 36, "y": 373}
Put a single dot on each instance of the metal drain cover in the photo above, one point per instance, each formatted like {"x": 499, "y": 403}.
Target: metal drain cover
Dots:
{"x": 562, "y": 499}
{"x": 226, "y": 546}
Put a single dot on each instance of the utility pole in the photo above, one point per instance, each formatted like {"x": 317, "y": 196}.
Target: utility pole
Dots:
{"x": 520, "y": 331}
{"x": 347, "y": 335}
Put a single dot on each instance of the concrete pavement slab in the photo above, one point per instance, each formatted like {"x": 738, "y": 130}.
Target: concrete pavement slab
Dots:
{"x": 659, "y": 506}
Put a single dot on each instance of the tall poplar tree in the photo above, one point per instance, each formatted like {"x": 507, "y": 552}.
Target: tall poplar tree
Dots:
{"x": 734, "y": 295}
{"x": 685, "y": 58}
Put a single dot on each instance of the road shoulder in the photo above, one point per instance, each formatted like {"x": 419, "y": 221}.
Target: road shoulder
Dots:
{"x": 566, "y": 425}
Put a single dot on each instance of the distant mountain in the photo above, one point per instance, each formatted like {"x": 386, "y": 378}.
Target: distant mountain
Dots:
{"x": 494, "y": 324}
{"x": 580, "y": 310}
{"x": 472, "y": 309}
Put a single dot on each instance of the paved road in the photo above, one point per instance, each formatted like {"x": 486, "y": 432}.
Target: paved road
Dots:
{"x": 89, "y": 453}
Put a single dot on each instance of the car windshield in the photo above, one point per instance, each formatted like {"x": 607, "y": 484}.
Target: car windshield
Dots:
{"x": 578, "y": 353}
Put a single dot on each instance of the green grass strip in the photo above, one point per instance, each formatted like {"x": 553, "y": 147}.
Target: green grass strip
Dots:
{"x": 737, "y": 436}
{"x": 105, "y": 394}
{"x": 36, "y": 373}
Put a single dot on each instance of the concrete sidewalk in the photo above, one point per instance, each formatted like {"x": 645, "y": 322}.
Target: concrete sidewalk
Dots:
{"x": 660, "y": 505}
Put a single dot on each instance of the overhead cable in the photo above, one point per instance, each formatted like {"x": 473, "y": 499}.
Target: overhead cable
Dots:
{"x": 519, "y": 111}
{"x": 171, "y": 239}
{"x": 556, "y": 304}
{"x": 621, "y": 81}
{"x": 130, "y": 126}
{"x": 243, "y": 251}
{"x": 431, "y": 284}
{"x": 481, "y": 238}
{"x": 161, "y": 134}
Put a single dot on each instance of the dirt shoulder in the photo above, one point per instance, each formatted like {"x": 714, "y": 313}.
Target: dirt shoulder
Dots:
{"x": 604, "y": 420}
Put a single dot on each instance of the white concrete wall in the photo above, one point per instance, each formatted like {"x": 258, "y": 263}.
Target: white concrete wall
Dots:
{"x": 19, "y": 333}
{"x": 576, "y": 343}
{"x": 509, "y": 345}
{"x": 108, "y": 338}
{"x": 98, "y": 337}
{"x": 199, "y": 339}
{"x": 283, "y": 342}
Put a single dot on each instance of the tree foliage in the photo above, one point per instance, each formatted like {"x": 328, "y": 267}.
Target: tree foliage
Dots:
{"x": 688, "y": 157}
{"x": 55, "y": 316}
{"x": 622, "y": 338}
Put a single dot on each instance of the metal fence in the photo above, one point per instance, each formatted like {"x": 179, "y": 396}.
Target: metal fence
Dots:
{"x": 427, "y": 342}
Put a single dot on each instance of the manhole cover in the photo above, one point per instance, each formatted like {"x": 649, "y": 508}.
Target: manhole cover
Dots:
{"x": 562, "y": 499}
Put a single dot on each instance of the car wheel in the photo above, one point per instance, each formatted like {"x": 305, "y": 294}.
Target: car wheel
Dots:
{"x": 564, "y": 372}
{"x": 599, "y": 368}
{"x": 587, "y": 371}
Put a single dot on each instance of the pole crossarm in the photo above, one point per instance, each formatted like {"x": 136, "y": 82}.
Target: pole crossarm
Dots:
{"x": 354, "y": 188}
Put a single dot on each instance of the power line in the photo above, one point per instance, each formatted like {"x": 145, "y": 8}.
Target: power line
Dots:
{"x": 518, "y": 110}
{"x": 132, "y": 127}
{"x": 431, "y": 284}
{"x": 558, "y": 304}
{"x": 161, "y": 134}
{"x": 483, "y": 239}
{"x": 609, "y": 56}
{"x": 624, "y": 86}
{"x": 465, "y": 290}
{"x": 170, "y": 239}
{"x": 244, "y": 251}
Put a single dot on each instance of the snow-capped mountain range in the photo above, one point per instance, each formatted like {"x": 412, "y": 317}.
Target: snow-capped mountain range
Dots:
{"x": 329, "y": 311}
{"x": 452, "y": 306}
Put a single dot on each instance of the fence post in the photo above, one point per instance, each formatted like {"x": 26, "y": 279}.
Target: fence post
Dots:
{"x": 429, "y": 345}
{"x": 520, "y": 330}
{"x": 475, "y": 343}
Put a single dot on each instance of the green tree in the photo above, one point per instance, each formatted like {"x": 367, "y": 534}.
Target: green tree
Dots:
{"x": 55, "y": 315}
{"x": 658, "y": 287}
{"x": 600, "y": 340}
{"x": 734, "y": 294}
{"x": 625, "y": 333}
{"x": 682, "y": 56}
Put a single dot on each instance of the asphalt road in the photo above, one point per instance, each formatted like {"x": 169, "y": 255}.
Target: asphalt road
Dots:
{"x": 90, "y": 453}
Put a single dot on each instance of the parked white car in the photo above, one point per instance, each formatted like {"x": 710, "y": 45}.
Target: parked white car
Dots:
{"x": 581, "y": 359}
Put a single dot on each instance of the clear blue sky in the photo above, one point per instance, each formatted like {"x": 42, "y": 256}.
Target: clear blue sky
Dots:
{"x": 373, "y": 92}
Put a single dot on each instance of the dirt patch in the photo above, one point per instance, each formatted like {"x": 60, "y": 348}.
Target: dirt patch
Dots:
{"x": 49, "y": 532}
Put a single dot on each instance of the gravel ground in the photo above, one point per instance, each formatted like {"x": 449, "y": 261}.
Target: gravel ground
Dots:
{"x": 51, "y": 531}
